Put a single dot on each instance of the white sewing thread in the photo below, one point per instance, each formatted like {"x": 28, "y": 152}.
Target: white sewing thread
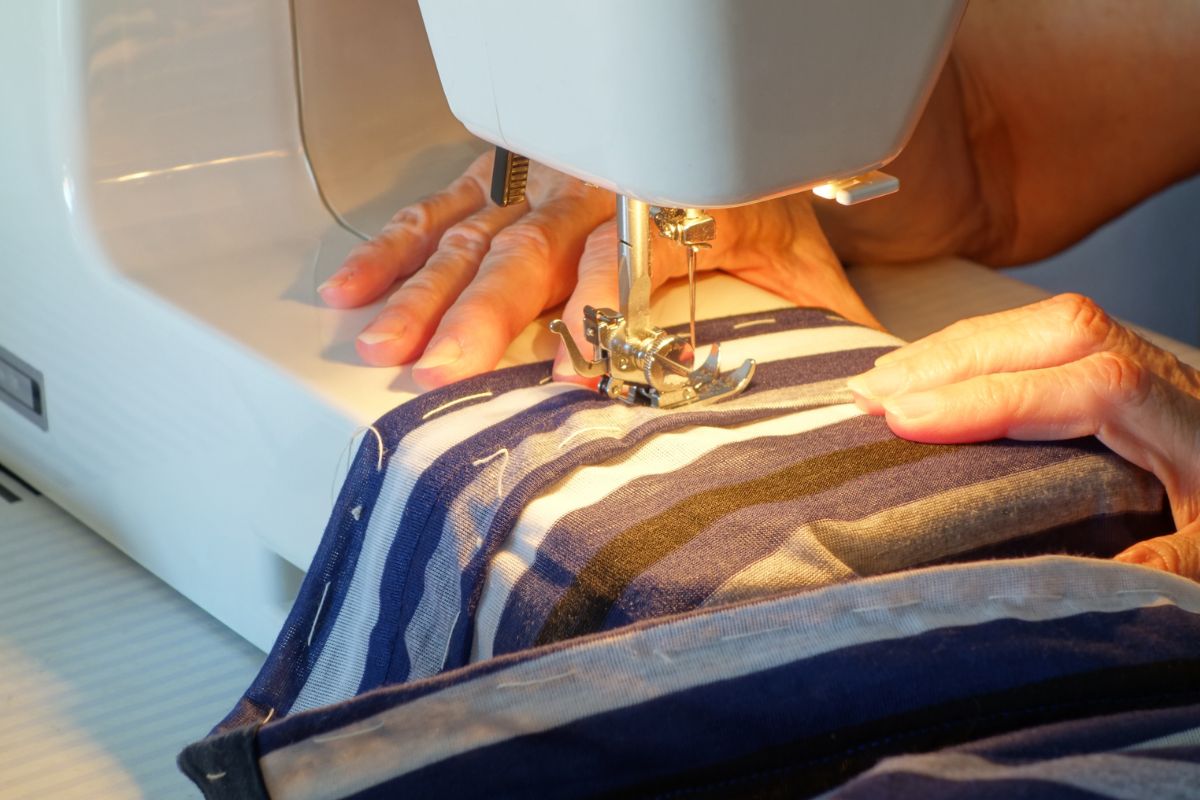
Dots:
{"x": 333, "y": 737}
{"x": 444, "y": 406}
{"x": 732, "y": 636}
{"x": 317, "y": 616}
{"x": 535, "y": 681}
{"x": 750, "y": 322}
{"x": 356, "y": 512}
{"x": 345, "y": 458}
{"x": 664, "y": 655}
{"x": 267, "y": 718}
{"x": 379, "y": 439}
{"x": 865, "y": 609}
{"x": 1051, "y": 597}
{"x": 214, "y": 776}
{"x": 545, "y": 380}
{"x": 501, "y": 453}
{"x": 1145, "y": 591}
{"x": 567, "y": 440}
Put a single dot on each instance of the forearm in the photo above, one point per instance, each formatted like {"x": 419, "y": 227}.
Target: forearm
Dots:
{"x": 1052, "y": 116}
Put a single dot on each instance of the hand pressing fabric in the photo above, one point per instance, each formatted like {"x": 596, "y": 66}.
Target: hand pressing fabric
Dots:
{"x": 474, "y": 274}
{"x": 1057, "y": 369}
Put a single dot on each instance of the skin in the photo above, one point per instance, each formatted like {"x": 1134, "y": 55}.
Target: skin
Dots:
{"x": 1050, "y": 118}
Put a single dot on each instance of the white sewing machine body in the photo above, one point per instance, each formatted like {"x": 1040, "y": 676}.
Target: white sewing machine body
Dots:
{"x": 694, "y": 104}
{"x": 177, "y": 178}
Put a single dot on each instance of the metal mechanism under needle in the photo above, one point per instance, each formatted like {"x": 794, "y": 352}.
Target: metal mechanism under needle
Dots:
{"x": 640, "y": 363}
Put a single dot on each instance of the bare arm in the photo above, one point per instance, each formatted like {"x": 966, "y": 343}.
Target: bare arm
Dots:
{"x": 1052, "y": 117}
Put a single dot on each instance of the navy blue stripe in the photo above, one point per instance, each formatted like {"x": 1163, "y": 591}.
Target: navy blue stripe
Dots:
{"x": 908, "y": 786}
{"x": 291, "y": 658}
{"x": 791, "y": 372}
{"x": 451, "y": 473}
{"x": 1079, "y": 737}
{"x": 802, "y": 716}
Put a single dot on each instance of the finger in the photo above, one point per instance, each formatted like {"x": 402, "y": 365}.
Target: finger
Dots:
{"x": 1134, "y": 412}
{"x": 531, "y": 265}
{"x": 404, "y": 326}
{"x": 407, "y": 241}
{"x": 1177, "y": 552}
{"x": 971, "y": 326}
{"x": 1047, "y": 334}
{"x": 780, "y": 247}
{"x": 597, "y": 287}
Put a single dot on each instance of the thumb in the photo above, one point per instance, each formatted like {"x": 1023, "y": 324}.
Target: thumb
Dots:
{"x": 1176, "y": 552}
{"x": 597, "y": 287}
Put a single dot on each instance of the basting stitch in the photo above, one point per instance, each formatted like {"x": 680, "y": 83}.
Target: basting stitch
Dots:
{"x": 333, "y": 737}
{"x": 750, "y": 322}
{"x": 534, "y": 681}
{"x": 865, "y": 609}
{"x": 444, "y": 406}
{"x": 316, "y": 617}
{"x": 503, "y": 454}
{"x": 572, "y": 435}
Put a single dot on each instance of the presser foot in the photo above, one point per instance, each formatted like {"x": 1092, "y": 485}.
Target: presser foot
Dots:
{"x": 667, "y": 382}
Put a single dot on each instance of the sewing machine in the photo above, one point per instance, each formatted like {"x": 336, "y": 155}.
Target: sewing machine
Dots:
{"x": 177, "y": 178}
{"x": 678, "y": 106}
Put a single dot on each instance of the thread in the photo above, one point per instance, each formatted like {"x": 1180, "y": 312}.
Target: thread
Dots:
{"x": 451, "y": 403}
{"x": 752, "y": 322}
{"x": 317, "y": 616}
{"x": 571, "y": 436}
{"x": 501, "y": 453}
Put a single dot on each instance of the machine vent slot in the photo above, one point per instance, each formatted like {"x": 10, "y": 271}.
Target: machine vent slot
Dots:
{"x": 14, "y": 488}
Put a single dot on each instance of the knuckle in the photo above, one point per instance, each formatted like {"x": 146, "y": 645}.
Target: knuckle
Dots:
{"x": 1123, "y": 380}
{"x": 532, "y": 239}
{"x": 1087, "y": 321}
{"x": 415, "y": 218}
{"x": 467, "y": 238}
{"x": 418, "y": 292}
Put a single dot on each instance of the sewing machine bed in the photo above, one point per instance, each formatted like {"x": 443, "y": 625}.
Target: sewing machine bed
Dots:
{"x": 524, "y": 588}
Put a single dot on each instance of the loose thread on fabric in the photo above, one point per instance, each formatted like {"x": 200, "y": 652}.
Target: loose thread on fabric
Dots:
{"x": 502, "y": 453}
{"x": 333, "y": 737}
{"x": 1051, "y": 597}
{"x": 752, "y": 322}
{"x": 267, "y": 718}
{"x": 746, "y": 635}
{"x": 317, "y": 616}
{"x": 454, "y": 402}
{"x": 339, "y": 469}
{"x": 545, "y": 380}
{"x": 535, "y": 681}
{"x": 572, "y": 435}
{"x": 213, "y": 777}
{"x": 886, "y": 607}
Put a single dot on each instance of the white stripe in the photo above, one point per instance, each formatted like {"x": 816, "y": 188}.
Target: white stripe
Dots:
{"x": 622, "y": 670}
{"x": 339, "y": 667}
{"x": 589, "y": 485}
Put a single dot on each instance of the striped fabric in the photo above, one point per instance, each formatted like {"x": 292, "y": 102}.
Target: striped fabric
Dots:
{"x": 507, "y": 513}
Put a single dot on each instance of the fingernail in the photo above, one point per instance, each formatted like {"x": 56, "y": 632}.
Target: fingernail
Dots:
{"x": 440, "y": 353}
{"x": 888, "y": 357}
{"x": 335, "y": 282}
{"x": 371, "y": 338}
{"x": 879, "y": 382}
{"x": 911, "y": 406}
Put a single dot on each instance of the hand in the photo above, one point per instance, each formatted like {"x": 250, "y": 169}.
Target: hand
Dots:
{"x": 475, "y": 275}
{"x": 1057, "y": 369}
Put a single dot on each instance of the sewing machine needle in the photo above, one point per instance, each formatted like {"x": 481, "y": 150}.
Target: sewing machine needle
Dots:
{"x": 691, "y": 259}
